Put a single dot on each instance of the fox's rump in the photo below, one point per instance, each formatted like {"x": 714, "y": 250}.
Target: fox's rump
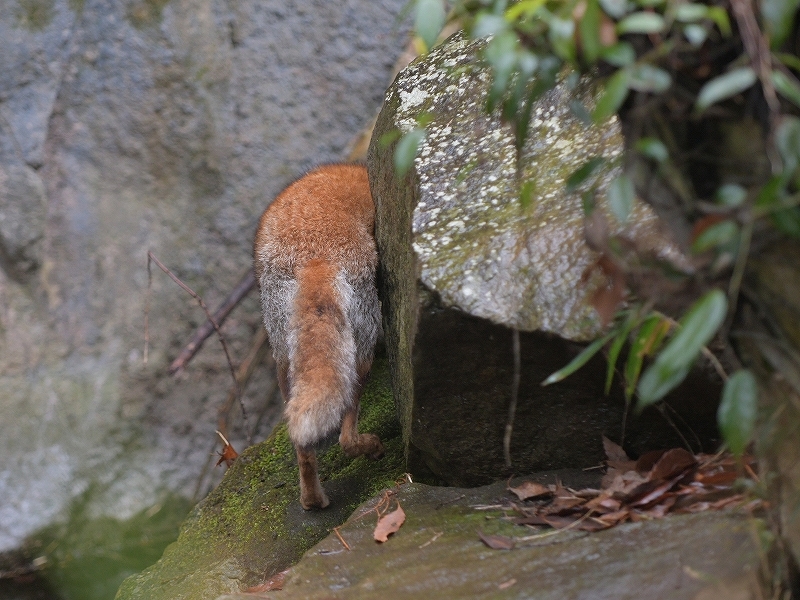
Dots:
{"x": 322, "y": 354}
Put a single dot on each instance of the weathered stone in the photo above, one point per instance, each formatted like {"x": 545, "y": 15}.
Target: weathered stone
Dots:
{"x": 768, "y": 340}
{"x": 23, "y": 209}
{"x": 252, "y": 525}
{"x": 455, "y": 224}
{"x": 150, "y": 125}
{"x": 437, "y": 553}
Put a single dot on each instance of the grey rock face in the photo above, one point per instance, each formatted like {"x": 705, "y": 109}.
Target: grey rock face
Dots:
{"x": 164, "y": 126}
{"x": 477, "y": 245}
{"x": 464, "y": 260}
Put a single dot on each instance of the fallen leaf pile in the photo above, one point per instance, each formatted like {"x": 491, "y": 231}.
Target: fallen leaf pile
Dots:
{"x": 671, "y": 481}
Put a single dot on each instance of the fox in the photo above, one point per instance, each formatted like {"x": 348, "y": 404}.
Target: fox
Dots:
{"x": 315, "y": 262}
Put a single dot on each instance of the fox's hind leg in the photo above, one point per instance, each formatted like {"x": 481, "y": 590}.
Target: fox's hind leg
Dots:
{"x": 311, "y": 493}
{"x": 353, "y": 443}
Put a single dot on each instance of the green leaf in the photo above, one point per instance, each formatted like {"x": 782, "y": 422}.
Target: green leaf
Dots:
{"x": 589, "y": 28}
{"x": 787, "y": 86}
{"x": 525, "y": 8}
{"x": 736, "y": 415}
{"x": 561, "y": 35}
{"x": 720, "y": 17}
{"x": 647, "y": 342}
{"x": 616, "y": 348}
{"x": 389, "y": 138}
{"x": 487, "y": 24}
{"x": 406, "y": 150}
{"x": 787, "y": 138}
{"x": 690, "y": 12}
{"x": 652, "y": 148}
{"x": 725, "y": 86}
{"x": 696, "y": 34}
{"x": 641, "y": 22}
{"x": 647, "y": 78}
{"x": 670, "y": 367}
{"x": 614, "y": 95}
{"x": 583, "y": 172}
{"x": 621, "y": 197}
{"x": 717, "y": 235}
{"x": 778, "y": 16}
{"x": 730, "y": 194}
{"x": 429, "y": 20}
{"x": 615, "y": 8}
{"x": 580, "y": 360}
{"x": 620, "y": 54}
{"x": 790, "y": 60}
{"x": 787, "y": 221}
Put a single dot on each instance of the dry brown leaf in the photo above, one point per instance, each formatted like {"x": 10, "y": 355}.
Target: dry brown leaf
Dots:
{"x": 530, "y": 489}
{"x": 228, "y": 454}
{"x": 674, "y": 462}
{"x": 496, "y": 542}
{"x": 389, "y": 524}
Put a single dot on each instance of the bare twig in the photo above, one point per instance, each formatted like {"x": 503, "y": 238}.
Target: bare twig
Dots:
{"x": 196, "y": 296}
{"x": 206, "y": 329}
{"x": 512, "y": 408}
{"x": 341, "y": 539}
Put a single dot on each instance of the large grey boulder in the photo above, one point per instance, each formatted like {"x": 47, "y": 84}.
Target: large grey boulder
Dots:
{"x": 135, "y": 126}
{"x": 465, "y": 260}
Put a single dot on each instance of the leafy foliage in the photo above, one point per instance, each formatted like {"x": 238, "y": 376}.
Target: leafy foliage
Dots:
{"x": 701, "y": 60}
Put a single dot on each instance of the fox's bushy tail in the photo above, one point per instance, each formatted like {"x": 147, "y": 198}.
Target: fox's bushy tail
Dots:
{"x": 322, "y": 354}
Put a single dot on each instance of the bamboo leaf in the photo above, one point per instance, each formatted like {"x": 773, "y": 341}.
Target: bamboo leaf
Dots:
{"x": 580, "y": 360}
{"x": 616, "y": 91}
{"x": 724, "y": 87}
{"x": 641, "y": 22}
{"x": 406, "y": 150}
{"x": 736, "y": 415}
{"x": 583, "y": 173}
{"x": 429, "y": 20}
{"x": 647, "y": 78}
{"x": 589, "y": 28}
{"x": 717, "y": 235}
{"x": 645, "y": 344}
{"x": 670, "y": 367}
{"x": 730, "y": 194}
{"x": 616, "y": 348}
{"x": 621, "y": 197}
{"x": 787, "y": 86}
{"x": 778, "y": 16}
{"x": 652, "y": 148}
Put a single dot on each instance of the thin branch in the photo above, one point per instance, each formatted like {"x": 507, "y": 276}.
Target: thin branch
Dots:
{"x": 512, "y": 408}
{"x": 196, "y": 296}
{"x": 206, "y": 329}
{"x": 147, "y": 309}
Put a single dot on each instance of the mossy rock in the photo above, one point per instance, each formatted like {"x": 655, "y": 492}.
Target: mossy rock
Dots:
{"x": 252, "y": 526}
{"x": 437, "y": 553}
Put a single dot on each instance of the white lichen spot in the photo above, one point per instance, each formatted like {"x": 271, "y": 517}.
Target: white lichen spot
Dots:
{"x": 412, "y": 98}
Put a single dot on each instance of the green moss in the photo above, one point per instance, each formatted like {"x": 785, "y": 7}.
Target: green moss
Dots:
{"x": 252, "y": 523}
{"x": 34, "y": 15}
{"x": 146, "y": 12}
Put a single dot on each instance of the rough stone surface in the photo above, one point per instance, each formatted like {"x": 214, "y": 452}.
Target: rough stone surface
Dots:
{"x": 252, "y": 525}
{"x": 150, "y": 125}
{"x": 771, "y": 347}
{"x": 455, "y": 240}
{"x": 437, "y": 553}
{"x": 479, "y": 247}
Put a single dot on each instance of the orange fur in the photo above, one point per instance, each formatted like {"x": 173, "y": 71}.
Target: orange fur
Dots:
{"x": 315, "y": 262}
